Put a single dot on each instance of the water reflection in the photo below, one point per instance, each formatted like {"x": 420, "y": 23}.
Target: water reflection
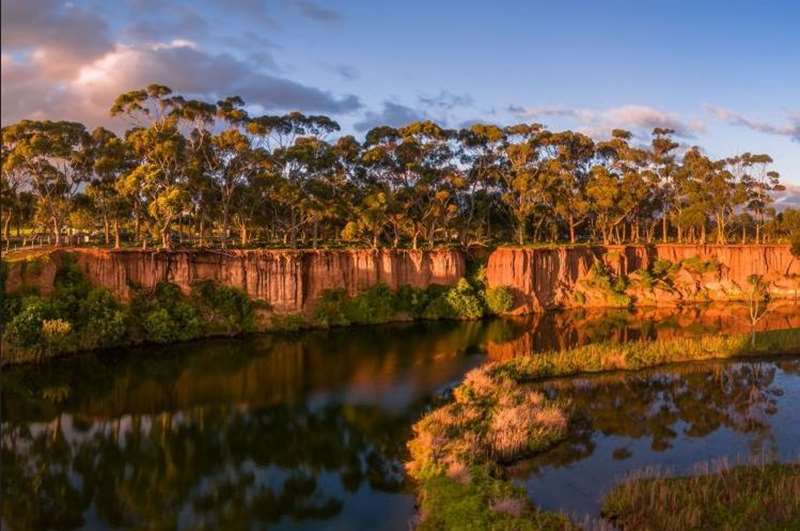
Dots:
{"x": 675, "y": 417}
{"x": 309, "y": 430}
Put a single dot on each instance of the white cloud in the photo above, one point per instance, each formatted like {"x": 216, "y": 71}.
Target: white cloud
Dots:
{"x": 790, "y": 129}
{"x": 640, "y": 119}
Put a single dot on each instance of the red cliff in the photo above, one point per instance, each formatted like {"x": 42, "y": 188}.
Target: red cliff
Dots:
{"x": 545, "y": 278}
{"x": 288, "y": 280}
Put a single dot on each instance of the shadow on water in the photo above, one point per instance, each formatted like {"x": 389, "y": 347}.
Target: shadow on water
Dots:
{"x": 308, "y": 430}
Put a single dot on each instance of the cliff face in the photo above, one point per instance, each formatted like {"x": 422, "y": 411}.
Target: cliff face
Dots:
{"x": 544, "y": 278}
{"x": 289, "y": 281}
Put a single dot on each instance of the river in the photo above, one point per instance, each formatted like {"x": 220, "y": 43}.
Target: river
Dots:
{"x": 308, "y": 430}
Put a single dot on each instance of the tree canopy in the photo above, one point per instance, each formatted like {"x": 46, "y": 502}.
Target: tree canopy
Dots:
{"x": 210, "y": 174}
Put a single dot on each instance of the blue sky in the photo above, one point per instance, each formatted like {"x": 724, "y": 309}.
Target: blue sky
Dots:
{"x": 724, "y": 73}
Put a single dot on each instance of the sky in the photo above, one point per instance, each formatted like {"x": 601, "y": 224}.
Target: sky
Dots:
{"x": 724, "y": 74}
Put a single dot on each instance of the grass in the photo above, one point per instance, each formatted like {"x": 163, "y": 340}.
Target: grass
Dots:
{"x": 762, "y": 496}
{"x": 494, "y": 418}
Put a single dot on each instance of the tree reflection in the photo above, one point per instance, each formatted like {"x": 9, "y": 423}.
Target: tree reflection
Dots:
{"x": 660, "y": 405}
{"x": 220, "y": 467}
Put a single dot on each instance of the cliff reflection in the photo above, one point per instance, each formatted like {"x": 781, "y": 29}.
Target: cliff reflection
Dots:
{"x": 562, "y": 330}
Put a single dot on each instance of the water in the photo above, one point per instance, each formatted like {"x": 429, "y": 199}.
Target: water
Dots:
{"x": 673, "y": 420}
{"x": 308, "y": 431}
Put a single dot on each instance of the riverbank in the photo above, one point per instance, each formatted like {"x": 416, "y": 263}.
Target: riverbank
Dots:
{"x": 113, "y": 298}
{"x": 495, "y": 418}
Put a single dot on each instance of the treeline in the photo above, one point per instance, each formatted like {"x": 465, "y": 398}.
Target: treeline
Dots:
{"x": 211, "y": 174}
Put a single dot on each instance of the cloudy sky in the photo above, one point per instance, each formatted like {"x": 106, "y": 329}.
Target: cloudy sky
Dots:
{"x": 724, "y": 74}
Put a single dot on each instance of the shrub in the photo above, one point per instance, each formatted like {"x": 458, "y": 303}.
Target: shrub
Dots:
{"x": 499, "y": 300}
{"x": 56, "y": 336}
{"x": 663, "y": 268}
{"x": 159, "y": 326}
{"x": 330, "y": 308}
{"x": 413, "y": 301}
{"x": 104, "y": 321}
{"x": 25, "y": 329}
{"x": 224, "y": 307}
{"x": 700, "y": 266}
{"x": 291, "y": 322}
{"x": 375, "y": 305}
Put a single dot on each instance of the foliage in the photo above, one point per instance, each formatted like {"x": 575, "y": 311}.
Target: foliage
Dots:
{"x": 758, "y": 496}
{"x": 499, "y": 299}
{"x": 212, "y": 165}
{"x": 79, "y": 317}
{"x": 700, "y": 266}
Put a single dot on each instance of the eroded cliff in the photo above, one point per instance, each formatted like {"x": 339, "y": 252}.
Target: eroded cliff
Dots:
{"x": 288, "y": 280}
{"x": 595, "y": 276}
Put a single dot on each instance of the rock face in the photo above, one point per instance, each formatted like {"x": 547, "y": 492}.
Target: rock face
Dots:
{"x": 289, "y": 281}
{"x": 561, "y": 277}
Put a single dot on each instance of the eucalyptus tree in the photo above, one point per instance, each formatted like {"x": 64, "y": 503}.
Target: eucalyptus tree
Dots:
{"x": 112, "y": 159}
{"x": 663, "y": 164}
{"x": 521, "y": 175}
{"x": 570, "y": 169}
{"x": 481, "y": 155}
{"x": 166, "y": 154}
{"x": 53, "y": 160}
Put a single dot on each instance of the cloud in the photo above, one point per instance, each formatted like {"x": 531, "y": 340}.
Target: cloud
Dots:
{"x": 791, "y": 129}
{"x": 346, "y": 72}
{"x": 789, "y": 198}
{"x": 640, "y": 119}
{"x": 393, "y": 114}
{"x": 313, "y": 11}
{"x": 180, "y": 65}
{"x": 446, "y": 101}
{"x": 173, "y": 21}
{"x": 58, "y": 36}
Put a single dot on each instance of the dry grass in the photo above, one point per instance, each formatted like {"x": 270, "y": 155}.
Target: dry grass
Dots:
{"x": 760, "y": 496}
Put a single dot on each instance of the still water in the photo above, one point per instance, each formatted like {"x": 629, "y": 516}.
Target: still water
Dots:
{"x": 308, "y": 431}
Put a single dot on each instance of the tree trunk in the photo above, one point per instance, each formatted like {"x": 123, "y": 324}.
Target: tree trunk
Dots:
{"x": 106, "y": 229}
{"x": 664, "y": 228}
{"x": 56, "y": 232}
{"x": 116, "y": 233}
{"x": 243, "y": 234}
{"x": 571, "y": 229}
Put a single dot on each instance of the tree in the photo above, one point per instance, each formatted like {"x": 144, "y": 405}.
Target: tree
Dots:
{"x": 54, "y": 158}
{"x": 160, "y": 178}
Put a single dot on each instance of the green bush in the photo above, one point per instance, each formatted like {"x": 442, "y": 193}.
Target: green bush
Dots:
{"x": 291, "y": 322}
{"x": 459, "y": 302}
{"x": 499, "y": 300}
{"x": 104, "y": 320}
{"x": 224, "y": 307}
{"x": 25, "y": 328}
{"x": 700, "y": 266}
{"x": 160, "y": 326}
{"x": 795, "y": 243}
{"x": 375, "y": 305}
{"x": 330, "y": 308}
{"x": 413, "y": 301}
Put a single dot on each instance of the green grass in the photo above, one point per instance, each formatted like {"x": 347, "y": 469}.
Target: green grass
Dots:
{"x": 753, "y": 497}
{"x": 635, "y": 355}
{"x": 453, "y": 504}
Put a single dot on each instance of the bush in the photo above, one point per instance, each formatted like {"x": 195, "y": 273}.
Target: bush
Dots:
{"x": 56, "y": 336}
{"x": 224, "y": 307}
{"x": 459, "y": 302}
{"x": 330, "y": 308}
{"x": 499, "y": 300}
{"x": 25, "y": 329}
{"x": 104, "y": 321}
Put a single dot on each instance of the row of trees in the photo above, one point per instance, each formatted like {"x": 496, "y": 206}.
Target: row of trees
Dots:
{"x": 214, "y": 173}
